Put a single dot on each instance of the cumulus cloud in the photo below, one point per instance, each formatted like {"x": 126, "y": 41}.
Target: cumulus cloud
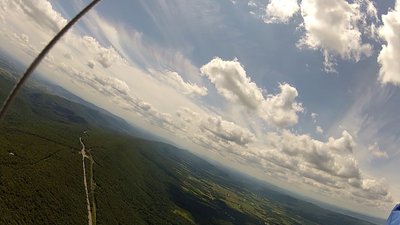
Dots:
{"x": 24, "y": 41}
{"x": 330, "y": 156}
{"x": 327, "y": 164}
{"x": 280, "y": 11}
{"x": 105, "y": 56}
{"x": 186, "y": 117}
{"x": 176, "y": 81}
{"x": 370, "y": 9}
{"x": 281, "y": 109}
{"x": 320, "y": 177}
{"x": 161, "y": 119}
{"x": 390, "y": 53}
{"x": 372, "y": 189}
{"x": 41, "y": 11}
{"x": 227, "y": 131}
{"x": 212, "y": 131}
{"x": 333, "y": 28}
{"x": 231, "y": 81}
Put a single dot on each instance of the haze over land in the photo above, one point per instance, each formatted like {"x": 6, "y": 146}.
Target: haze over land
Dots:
{"x": 302, "y": 96}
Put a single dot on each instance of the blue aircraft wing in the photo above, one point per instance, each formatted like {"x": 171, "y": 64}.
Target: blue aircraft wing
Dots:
{"x": 394, "y": 218}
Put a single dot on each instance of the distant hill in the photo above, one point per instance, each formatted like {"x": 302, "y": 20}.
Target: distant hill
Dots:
{"x": 136, "y": 181}
{"x": 41, "y": 92}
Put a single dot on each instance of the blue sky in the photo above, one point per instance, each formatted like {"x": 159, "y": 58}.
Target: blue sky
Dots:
{"x": 298, "y": 93}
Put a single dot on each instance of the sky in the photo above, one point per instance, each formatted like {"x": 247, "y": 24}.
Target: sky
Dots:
{"x": 302, "y": 94}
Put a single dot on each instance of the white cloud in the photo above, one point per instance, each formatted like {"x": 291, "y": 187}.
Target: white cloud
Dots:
{"x": 319, "y": 130}
{"x": 252, "y": 3}
{"x": 390, "y": 53}
{"x": 336, "y": 28}
{"x": 106, "y": 85}
{"x": 331, "y": 156}
{"x": 42, "y": 12}
{"x": 176, "y": 81}
{"x": 371, "y": 10}
{"x": 372, "y": 189}
{"x": 281, "y": 109}
{"x": 376, "y": 152}
{"x": 314, "y": 117}
{"x": 320, "y": 177}
{"x": 231, "y": 81}
{"x": 369, "y": 20}
{"x": 280, "y": 11}
{"x": 329, "y": 164}
{"x": 120, "y": 94}
{"x": 186, "y": 118}
{"x": 227, "y": 131}
{"x": 24, "y": 41}
{"x": 332, "y": 27}
{"x": 105, "y": 56}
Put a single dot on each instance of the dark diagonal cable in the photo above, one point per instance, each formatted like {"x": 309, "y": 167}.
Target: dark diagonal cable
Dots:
{"x": 40, "y": 57}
